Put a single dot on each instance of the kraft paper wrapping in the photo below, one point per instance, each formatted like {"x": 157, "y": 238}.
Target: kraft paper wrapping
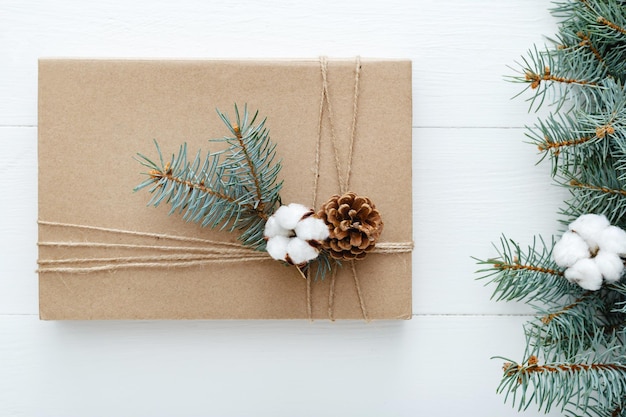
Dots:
{"x": 95, "y": 115}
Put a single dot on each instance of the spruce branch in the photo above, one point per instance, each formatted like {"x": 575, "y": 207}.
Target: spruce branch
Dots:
{"x": 233, "y": 189}
{"x": 605, "y": 22}
{"x": 600, "y": 189}
{"x": 541, "y": 70}
{"x": 580, "y": 335}
{"x": 530, "y": 276}
{"x": 595, "y": 189}
{"x": 598, "y": 387}
{"x": 549, "y": 317}
{"x": 572, "y": 328}
{"x": 585, "y": 42}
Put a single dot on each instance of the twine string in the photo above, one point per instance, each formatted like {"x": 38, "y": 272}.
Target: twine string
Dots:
{"x": 331, "y": 295}
{"x": 175, "y": 257}
{"x": 183, "y": 256}
{"x": 344, "y": 180}
{"x": 204, "y": 242}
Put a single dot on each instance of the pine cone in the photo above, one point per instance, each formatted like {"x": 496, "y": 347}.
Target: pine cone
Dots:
{"x": 354, "y": 225}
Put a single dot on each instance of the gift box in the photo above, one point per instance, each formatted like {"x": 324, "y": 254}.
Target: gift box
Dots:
{"x": 104, "y": 253}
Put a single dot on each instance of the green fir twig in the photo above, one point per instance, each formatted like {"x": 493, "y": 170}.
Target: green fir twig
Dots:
{"x": 235, "y": 189}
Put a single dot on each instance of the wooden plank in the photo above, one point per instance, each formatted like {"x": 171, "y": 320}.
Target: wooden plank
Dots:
{"x": 471, "y": 186}
{"x": 18, "y": 220}
{"x": 460, "y": 50}
{"x": 431, "y": 366}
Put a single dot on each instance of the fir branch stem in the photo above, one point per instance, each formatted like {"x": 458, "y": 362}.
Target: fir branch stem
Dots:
{"x": 556, "y": 146}
{"x": 547, "y": 319}
{"x": 586, "y": 42}
{"x": 577, "y": 184}
{"x": 601, "y": 132}
{"x": 533, "y": 366}
{"x": 260, "y": 206}
{"x": 517, "y": 267}
{"x": 603, "y": 21}
{"x": 536, "y": 79}
{"x": 157, "y": 175}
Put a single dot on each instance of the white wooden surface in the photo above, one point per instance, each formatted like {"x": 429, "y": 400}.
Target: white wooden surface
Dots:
{"x": 473, "y": 180}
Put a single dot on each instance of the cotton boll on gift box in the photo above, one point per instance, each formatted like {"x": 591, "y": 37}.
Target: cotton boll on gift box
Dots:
{"x": 591, "y": 251}
{"x": 293, "y": 235}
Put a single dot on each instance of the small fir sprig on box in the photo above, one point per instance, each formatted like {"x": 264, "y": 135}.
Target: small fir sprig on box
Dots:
{"x": 237, "y": 190}
{"x": 575, "y": 354}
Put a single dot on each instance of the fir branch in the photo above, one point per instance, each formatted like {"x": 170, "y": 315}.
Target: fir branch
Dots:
{"x": 234, "y": 189}
{"x": 533, "y": 268}
{"x": 579, "y": 334}
{"x": 574, "y": 183}
{"x": 243, "y": 145}
{"x": 536, "y": 78}
{"x": 166, "y": 174}
{"x": 596, "y": 191}
{"x": 570, "y": 140}
{"x": 546, "y": 319}
{"x": 541, "y": 70}
{"x": 571, "y": 328}
{"x": 550, "y": 144}
{"x": 585, "y": 42}
{"x": 604, "y": 21}
{"x": 531, "y": 275}
{"x": 533, "y": 367}
{"x": 574, "y": 387}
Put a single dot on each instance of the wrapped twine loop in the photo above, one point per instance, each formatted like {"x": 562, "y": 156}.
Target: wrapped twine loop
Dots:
{"x": 344, "y": 179}
{"x": 209, "y": 251}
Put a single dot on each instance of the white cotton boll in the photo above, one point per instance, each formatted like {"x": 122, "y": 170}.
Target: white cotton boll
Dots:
{"x": 586, "y": 274}
{"x": 277, "y": 247}
{"x": 272, "y": 228}
{"x": 613, "y": 239}
{"x": 570, "y": 249}
{"x": 288, "y": 216}
{"x": 300, "y": 252}
{"x": 312, "y": 228}
{"x": 589, "y": 227}
{"x": 610, "y": 265}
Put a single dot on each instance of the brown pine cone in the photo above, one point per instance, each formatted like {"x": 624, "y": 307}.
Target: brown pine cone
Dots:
{"x": 354, "y": 225}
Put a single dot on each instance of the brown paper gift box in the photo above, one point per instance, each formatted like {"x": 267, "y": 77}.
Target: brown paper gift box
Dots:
{"x": 95, "y": 115}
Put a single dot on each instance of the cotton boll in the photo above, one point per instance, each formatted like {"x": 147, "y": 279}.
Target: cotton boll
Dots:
{"x": 277, "y": 247}
{"x": 273, "y": 228}
{"x": 586, "y": 274}
{"x": 570, "y": 249}
{"x": 288, "y": 216}
{"x": 312, "y": 228}
{"x": 610, "y": 265}
{"x": 589, "y": 227}
{"x": 300, "y": 252}
{"x": 613, "y": 239}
